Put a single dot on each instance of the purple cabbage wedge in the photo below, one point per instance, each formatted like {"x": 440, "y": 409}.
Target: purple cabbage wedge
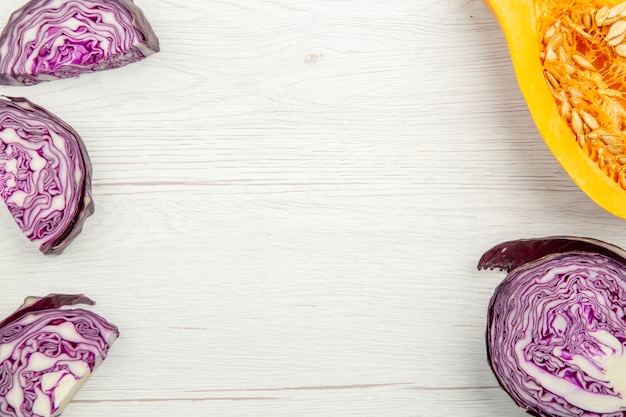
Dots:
{"x": 556, "y": 326}
{"x": 48, "y": 352}
{"x": 53, "y": 39}
{"x": 45, "y": 174}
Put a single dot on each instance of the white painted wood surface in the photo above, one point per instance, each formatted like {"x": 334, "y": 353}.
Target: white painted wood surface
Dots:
{"x": 291, "y": 198}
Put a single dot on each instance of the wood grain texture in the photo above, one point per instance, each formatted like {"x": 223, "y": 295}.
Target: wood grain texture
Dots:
{"x": 291, "y": 198}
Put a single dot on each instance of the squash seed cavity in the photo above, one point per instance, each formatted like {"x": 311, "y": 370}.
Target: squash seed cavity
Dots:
{"x": 584, "y": 58}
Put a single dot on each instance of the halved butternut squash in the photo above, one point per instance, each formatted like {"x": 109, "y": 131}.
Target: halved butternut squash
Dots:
{"x": 570, "y": 60}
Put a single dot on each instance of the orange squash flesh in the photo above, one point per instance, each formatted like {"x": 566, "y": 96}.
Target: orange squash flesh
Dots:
{"x": 523, "y": 23}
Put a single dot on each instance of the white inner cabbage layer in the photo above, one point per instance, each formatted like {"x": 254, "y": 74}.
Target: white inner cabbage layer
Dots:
{"x": 608, "y": 367}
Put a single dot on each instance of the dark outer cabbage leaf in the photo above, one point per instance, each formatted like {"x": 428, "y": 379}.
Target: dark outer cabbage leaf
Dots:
{"x": 51, "y": 301}
{"x": 53, "y": 39}
{"x": 45, "y": 174}
{"x": 509, "y": 255}
{"x": 556, "y": 327}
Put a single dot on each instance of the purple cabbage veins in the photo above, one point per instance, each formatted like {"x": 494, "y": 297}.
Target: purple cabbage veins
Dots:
{"x": 556, "y": 327}
{"x": 53, "y": 39}
{"x": 47, "y": 352}
{"x": 45, "y": 174}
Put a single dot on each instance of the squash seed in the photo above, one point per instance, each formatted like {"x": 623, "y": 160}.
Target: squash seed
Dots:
{"x": 590, "y": 120}
{"x": 621, "y": 50}
{"x": 552, "y": 80}
{"x": 604, "y": 161}
{"x": 601, "y": 15}
{"x": 616, "y": 10}
{"x": 555, "y": 42}
{"x": 570, "y": 69}
{"x": 613, "y": 170}
{"x": 611, "y": 140}
{"x": 611, "y": 20}
{"x": 606, "y": 138}
{"x": 617, "y": 33}
{"x": 577, "y": 122}
{"x": 578, "y": 103}
{"x": 583, "y": 62}
{"x": 566, "y": 108}
{"x": 549, "y": 34}
{"x": 593, "y": 149}
{"x": 615, "y": 149}
{"x": 575, "y": 94}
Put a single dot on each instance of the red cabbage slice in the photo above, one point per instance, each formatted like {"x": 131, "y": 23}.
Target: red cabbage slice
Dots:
{"x": 48, "y": 352}
{"x": 556, "y": 327}
{"x": 53, "y": 39}
{"x": 45, "y": 174}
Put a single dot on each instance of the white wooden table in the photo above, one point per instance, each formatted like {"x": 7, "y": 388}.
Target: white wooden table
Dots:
{"x": 291, "y": 198}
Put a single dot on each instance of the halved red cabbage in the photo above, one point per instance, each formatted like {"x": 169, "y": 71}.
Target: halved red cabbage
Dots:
{"x": 48, "y": 352}
{"x": 556, "y": 326}
{"x": 52, "y": 39}
{"x": 45, "y": 174}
